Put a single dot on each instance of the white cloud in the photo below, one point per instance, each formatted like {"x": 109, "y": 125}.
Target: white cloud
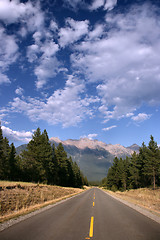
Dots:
{"x": 53, "y": 26}
{"x": 4, "y": 79}
{"x": 66, "y": 106}
{"x": 12, "y": 135}
{"x": 124, "y": 61}
{"x": 141, "y": 117}
{"x": 19, "y": 91}
{"x": 96, "y": 4}
{"x": 47, "y": 68}
{"x": 92, "y": 5}
{"x": 110, "y": 4}
{"x": 30, "y": 18}
{"x": 109, "y": 128}
{"x": 43, "y": 53}
{"x": 27, "y": 13}
{"x": 11, "y": 11}
{"x": 73, "y": 31}
{"x": 106, "y": 4}
{"x": 96, "y": 33}
{"x": 8, "y": 54}
{"x": 90, "y": 136}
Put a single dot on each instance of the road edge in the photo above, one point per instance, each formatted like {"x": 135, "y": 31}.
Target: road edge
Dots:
{"x": 136, "y": 207}
{"x": 21, "y": 218}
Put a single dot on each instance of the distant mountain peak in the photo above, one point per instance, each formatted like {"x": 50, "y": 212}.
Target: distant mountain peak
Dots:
{"x": 134, "y": 147}
{"x": 55, "y": 139}
{"x": 116, "y": 150}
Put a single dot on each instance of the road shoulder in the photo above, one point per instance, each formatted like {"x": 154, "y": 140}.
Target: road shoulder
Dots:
{"x": 136, "y": 207}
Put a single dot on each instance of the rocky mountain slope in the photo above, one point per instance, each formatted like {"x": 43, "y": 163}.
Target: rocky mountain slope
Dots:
{"x": 94, "y": 157}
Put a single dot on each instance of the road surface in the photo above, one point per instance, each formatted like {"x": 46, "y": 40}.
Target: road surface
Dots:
{"x": 90, "y": 215}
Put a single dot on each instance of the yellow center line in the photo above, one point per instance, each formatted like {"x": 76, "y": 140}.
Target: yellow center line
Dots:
{"x": 93, "y": 204}
{"x": 91, "y": 227}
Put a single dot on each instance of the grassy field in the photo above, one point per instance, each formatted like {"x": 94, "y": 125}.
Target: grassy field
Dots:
{"x": 18, "y": 198}
{"x": 144, "y": 197}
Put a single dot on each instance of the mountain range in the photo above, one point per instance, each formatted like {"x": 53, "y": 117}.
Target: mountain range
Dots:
{"x": 94, "y": 157}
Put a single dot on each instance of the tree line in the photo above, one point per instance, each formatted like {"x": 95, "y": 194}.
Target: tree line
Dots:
{"x": 40, "y": 162}
{"x": 140, "y": 170}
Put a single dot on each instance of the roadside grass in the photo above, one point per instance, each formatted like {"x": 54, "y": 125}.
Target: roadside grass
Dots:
{"x": 19, "y": 198}
{"x": 144, "y": 197}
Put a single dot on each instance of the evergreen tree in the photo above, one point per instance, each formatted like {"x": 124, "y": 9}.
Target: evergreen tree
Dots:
{"x": 12, "y": 163}
{"x": 37, "y": 160}
{"x": 134, "y": 171}
{"x": 77, "y": 176}
{"x": 143, "y": 154}
{"x": 152, "y": 161}
{"x": 61, "y": 158}
{"x": 6, "y": 152}
{"x": 2, "y": 158}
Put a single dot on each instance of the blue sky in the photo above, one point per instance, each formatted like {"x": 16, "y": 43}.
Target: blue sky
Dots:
{"x": 80, "y": 69}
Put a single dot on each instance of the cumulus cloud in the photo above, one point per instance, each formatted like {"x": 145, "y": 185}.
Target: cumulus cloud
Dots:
{"x": 12, "y": 135}
{"x": 73, "y": 31}
{"x": 47, "y": 68}
{"x": 90, "y": 136}
{"x": 96, "y": 4}
{"x": 92, "y": 5}
{"x": 66, "y": 106}
{"x": 4, "y": 79}
{"x": 8, "y": 54}
{"x": 106, "y": 4}
{"x": 141, "y": 117}
{"x": 110, "y": 4}
{"x": 109, "y": 128}
{"x": 19, "y": 91}
{"x": 44, "y": 54}
{"x": 30, "y": 19}
{"x": 27, "y": 13}
{"x": 124, "y": 62}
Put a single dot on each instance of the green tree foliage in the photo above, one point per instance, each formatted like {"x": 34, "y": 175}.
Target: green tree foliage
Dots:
{"x": 63, "y": 163}
{"x": 151, "y": 166}
{"x": 2, "y": 157}
{"x": 41, "y": 162}
{"x": 12, "y": 163}
{"x": 140, "y": 170}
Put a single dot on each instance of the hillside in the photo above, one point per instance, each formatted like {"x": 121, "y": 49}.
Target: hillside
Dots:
{"x": 94, "y": 157}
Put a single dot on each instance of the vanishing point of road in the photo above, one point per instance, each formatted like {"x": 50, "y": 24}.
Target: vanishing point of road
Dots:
{"x": 90, "y": 215}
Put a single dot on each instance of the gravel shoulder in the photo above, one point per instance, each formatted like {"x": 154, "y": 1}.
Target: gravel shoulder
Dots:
{"x": 151, "y": 213}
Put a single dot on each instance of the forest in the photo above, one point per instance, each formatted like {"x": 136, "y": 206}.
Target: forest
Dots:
{"x": 138, "y": 171}
{"x": 39, "y": 163}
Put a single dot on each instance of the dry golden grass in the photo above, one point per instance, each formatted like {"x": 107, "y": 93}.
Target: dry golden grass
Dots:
{"x": 144, "y": 197}
{"x": 18, "y": 198}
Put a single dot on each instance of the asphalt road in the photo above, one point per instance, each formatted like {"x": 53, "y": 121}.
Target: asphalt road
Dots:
{"x": 90, "y": 215}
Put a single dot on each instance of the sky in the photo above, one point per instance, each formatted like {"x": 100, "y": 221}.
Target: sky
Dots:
{"x": 80, "y": 68}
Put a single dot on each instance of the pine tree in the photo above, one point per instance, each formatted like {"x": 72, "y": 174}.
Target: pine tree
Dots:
{"x": 143, "y": 155}
{"x": 61, "y": 158}
{"x": 6, "y": 152}
{"x": 2, "y": 158}
{"x": 152, "y": 161}
{"x": 12, "y": 163}
{"x": 77, "y": 175}
{"x": 37, "y": 160}
{"x": 134, "y": 171}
